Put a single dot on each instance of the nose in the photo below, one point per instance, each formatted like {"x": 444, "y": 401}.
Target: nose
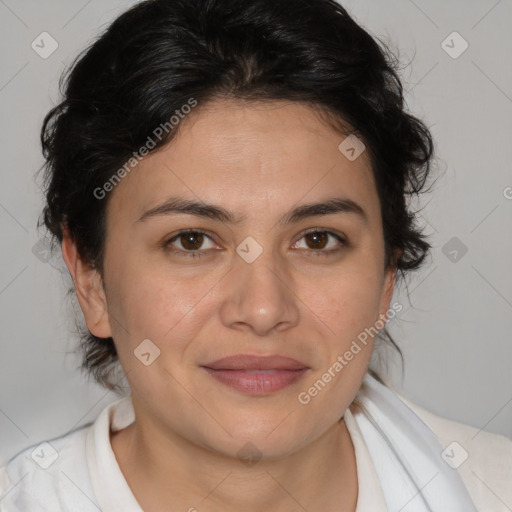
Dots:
{"x": 260, "y": 296}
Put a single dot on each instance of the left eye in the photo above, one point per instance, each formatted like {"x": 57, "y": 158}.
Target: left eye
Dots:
{"x": 319, "y": 241}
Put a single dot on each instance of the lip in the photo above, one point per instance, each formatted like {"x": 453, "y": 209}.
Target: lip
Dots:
{"x": 256, "y": 375}
{"x": 252, "y": 362}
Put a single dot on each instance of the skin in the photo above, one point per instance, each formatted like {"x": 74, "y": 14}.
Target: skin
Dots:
{"x": 258, "y": 160}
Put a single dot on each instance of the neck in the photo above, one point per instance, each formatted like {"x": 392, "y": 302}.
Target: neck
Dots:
{"x": 162, "y": 468}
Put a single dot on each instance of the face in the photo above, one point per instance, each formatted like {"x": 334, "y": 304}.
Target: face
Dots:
{"x": 249, "y": 279}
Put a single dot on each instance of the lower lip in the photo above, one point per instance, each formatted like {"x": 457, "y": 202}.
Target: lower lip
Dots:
{"x": 257, "y": 382}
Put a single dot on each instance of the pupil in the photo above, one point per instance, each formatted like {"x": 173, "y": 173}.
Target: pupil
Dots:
{"x": 318, "y": 236}
{"x": 191, "y": 241}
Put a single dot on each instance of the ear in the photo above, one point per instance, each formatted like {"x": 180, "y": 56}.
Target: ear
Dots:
{"x": 388, "y": 286}
{"x": 89, "y": 289}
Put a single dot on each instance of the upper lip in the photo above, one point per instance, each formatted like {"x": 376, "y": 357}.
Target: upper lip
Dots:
{"x": 252, "y": 362}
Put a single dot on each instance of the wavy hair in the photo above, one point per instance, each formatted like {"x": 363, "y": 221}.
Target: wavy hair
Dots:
{"x": 159, "y": 53}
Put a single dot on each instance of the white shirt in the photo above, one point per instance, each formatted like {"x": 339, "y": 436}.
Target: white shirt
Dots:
{"x": 85, "y": 475}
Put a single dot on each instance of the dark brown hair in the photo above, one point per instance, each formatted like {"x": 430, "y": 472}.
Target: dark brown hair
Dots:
{"x": 157, "y": 55}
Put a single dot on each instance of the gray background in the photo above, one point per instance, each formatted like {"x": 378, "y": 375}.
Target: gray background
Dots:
{"x": 456, "y": 330}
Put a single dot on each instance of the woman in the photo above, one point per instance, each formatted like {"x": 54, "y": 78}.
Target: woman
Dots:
{"x": 228, "y": 182}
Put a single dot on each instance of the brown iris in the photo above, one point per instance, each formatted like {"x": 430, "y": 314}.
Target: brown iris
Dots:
{"x": 192, "y": 241}
{"x": 318, "y": 237}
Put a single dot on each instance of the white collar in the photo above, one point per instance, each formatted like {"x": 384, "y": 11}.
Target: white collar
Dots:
{"x": 110, "y": 487}
{"x": 407, "y": 454}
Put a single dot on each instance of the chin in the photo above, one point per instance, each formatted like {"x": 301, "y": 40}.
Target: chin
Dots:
{"x": 255, "y": 439}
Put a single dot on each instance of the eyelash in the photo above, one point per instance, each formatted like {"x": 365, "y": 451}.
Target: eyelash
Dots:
{"x": 199, "y": 254}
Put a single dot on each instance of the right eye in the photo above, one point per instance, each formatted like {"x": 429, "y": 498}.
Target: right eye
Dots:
{"x": 190, "y": 240}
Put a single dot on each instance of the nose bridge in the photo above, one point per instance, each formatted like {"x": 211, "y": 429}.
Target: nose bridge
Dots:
{"x": 260, "y": 273}
{"x": 260, "y": 289}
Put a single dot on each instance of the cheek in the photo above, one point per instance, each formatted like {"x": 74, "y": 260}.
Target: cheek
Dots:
{"x": 149, "y": 305}
{"x": 344, "y": 309}
{"x": 346, "y": 304}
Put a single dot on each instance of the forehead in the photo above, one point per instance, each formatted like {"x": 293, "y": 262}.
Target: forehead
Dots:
{"x": 248, "y": 155}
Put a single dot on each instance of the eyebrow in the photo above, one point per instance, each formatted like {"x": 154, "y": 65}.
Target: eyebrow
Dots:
{"x": 177, "y": 205}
